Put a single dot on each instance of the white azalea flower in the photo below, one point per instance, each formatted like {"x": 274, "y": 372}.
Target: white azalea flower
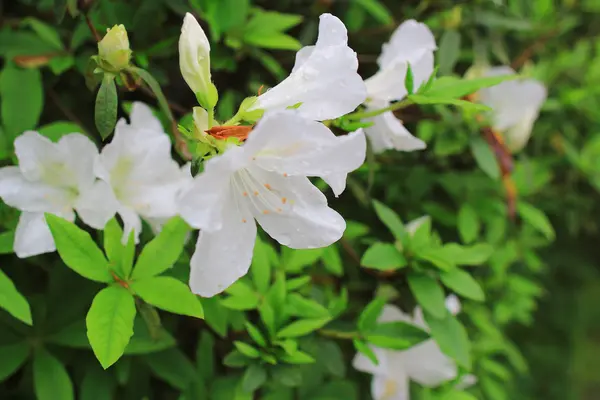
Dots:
{"x": 137, "y": 165}
{"x": 324, "y": 78}
{"x": 412, "y": 43}
{"x": 266, "y": 180}
{"x": 56, "y": 178}
{"x": 516, "y": 105}
{"x": 424, "y": 363}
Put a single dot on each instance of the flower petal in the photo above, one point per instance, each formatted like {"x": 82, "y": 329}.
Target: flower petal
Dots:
{"x": 453, "y": 304}
{"x": 202, "y": 204}
{"x": 302, "y": 56}
{"x": 364, "y": 364}
{"x": 387, "y": 132}
{"x": 308, "y": 222}
{"x": 407, "y": 43}
{"x": 131, "y": 222}
{"x": 307, "y": 149}
{"x": 223, "y": 256}
{"x": 325, "y": 82}
{"x": 142, "y": 118}
{"x": 194, "y": 55}
{"x": 34, "y": 152}
{"x": 427, "y": 365}
{"x": 97, "y": 205}
{"x": 394, "y": 387}
{"x": 33, "y": 236}
{"x": 80, "y": 153}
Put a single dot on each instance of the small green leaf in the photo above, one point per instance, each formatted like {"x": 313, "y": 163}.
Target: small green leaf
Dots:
{"x": 246, "y": 349}
{"x": 13, "y": 357}
{"x": 261, "y": 266}
{"x": 377, "y": 10}
{"x": 173, "y": 367}
{"x": 451, "y": 336}
{"x": 469, "y": 255}
{"x": 537, "y": 219}
{"x": 55, "y": 130}
{"x": 364, "y": 348}
{"x": 106, "y": 106}
{"x": 97, "y": 384}
{"x": 463, "y": 283}
{"x": 429, "y": 293}
{"x": 163, "y": 251}
{"x": 485, "y": 158}
{"x": 332, "y": 260}
{"x": 297, "y": 260}
{"x": 51, "y": 379}
{"x": 449, "y": 51}
{"x": 46, "y": 32}
{"x": 13, "y": 301}
{"x": 272, "y": 40}
{"x": 303, "y": 307}
{"x": 368, "y": 317}
{"x": 428, "y": 98}
{"x": 384, "y": 257}
{"x": 395, "y": 335}
{"x": 468, "y": 223}
{"x": 390, "y": 219}
{"x": 302, "y": 327}
{"x": 256, "y": 334}
{"x": 110, "y": 323}
{"x": 254, "y": 377}
{"x": 6, "y": 241}
{"x": 155, "y": 87}
{"x": 409, "y": 80}
{"x": 451, "y": 87}
{"x": 78, "y": 251}
{"x": 333, "y": 358}
{"x": 169, "y": 294}
{"x": 22, "y": 99}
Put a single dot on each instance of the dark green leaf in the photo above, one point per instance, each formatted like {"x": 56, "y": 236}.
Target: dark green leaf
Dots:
{"x": 173, "y": 367}
{"x": 13, "y": 301}
{"x": 449, "y": 51}
{"x": 428, "y": 292}
{"x": 22, "y": 98}
{"x": 485, "y": 158}
{"x": 254, "y": 377}
{"x": 368, "y": 317}
{"x": 51, "y": 379}
{"x": 13, "y": 357}
{"x": 452, "y": 338}
{"x": 468, "y": 223}
{"x": 536, "y": 218}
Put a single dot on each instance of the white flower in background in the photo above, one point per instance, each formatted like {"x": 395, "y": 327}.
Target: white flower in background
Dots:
{"x": 266, "y": 179}
{"x": 515, "y": 106}
{"x": 137, "y": 165}
{"x": 194, "y": 61}
{"x": 324, "y": 78}
{"x": 56, "y": 178}
{"x": 424, "y": 363}
{"x": 412, "y": 43}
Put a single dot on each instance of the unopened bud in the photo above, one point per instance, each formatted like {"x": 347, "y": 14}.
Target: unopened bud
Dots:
{"x": 114, "y": 50}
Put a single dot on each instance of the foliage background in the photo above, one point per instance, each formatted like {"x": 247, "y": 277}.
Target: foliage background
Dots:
{"x": 537, "y": 334}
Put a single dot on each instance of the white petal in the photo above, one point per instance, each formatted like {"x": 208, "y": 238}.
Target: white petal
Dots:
{"x": 80, "y": 153}
{"x": 302, "y": 56}
{"x": 307, "y": 149}
{"x": 33, "y": 236}
{"x": 387, "y": 132}
{"x": 427, "y": 365}
{"x": 34, "y": 152}
{"x": 131, "y": 222}
{"x": 143, "y": 118}
{"x": 325, "y": 81}
{"x": 97, "y": 205}
{"x": 201, "y": 205}
{"x": 222, "y": 257}
{"x": 453, "y": 304}
{"x": 364, "y": 364}
{"x": 391, "y": 313}
{"x": 407, "y": 43}
{"x": 466, "y": 381}
{"x": 20, "y": 193}
{"x": 309, "y": 222}
{"x": 194, "y": 55}
{"x": 390, "y": 387}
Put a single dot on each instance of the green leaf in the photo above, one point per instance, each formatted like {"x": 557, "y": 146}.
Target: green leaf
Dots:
{"x": 55, "y": 130}
{"x": 332, "y": 260}
{"x": 110, "y": 323}
{"x": 456, "y": 395}
{"x": 463, "y": 283}
{"x": 256, "y": 334}
{"x": 105, "y": 112}
{"x": 438, "y": 256}
{"x": 451, "y": 87}
{"x": 451, "y": 336}
{"x": 169, "y": 294}
{"x": 297, "y": 260}
{"x": 537, "y": 219}
{"x": 6, "y": 240}
{"x": 51, "y": 379}
{"x": 271, "y": 40}
{"x": 162, "y": 252}
{"x": 368, "y": 317}
{"x": 390, "y": 219}
{"x": 303, "y": 307}
{"x": 155, "y": 87}
{"x": 449, "y": 51}
{"x": 429, "y": 98}
{"x": 246, "y": 349}
{"x": 97, "y": 384}
{"x": 173, "y": 367}
{"x": 112, "y": 240}
{"x": 78, "y": 251}
{"x": 302, "y": 327}
{"x": 261, "y": 266}
{"x": 396, "y": 335}
{"x": 287, "y": 375}
{"x": 429, "y": 293}
{"x": 485, "y": 158}
{"x": 409, "y": 80}
{"x": 468, "y": 223}
{"x": 13, "y": 357}
{"x": 364, "y": 348}
{"x": 13, "y": 301}
{"x": 468, "y": 255}
{"x": 272, "y": 21}
{"x": 331, "y": 355}
{"x": 384, "y": 257}
{"x": 377, "y": 10}
{"x": 22, "y": 99}
{"x": 46, "y": 32}
{"x": 254, "y": 377}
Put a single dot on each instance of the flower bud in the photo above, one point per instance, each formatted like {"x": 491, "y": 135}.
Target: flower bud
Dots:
{"x": 194, "y": 62}
{"x": 113, "y": 49}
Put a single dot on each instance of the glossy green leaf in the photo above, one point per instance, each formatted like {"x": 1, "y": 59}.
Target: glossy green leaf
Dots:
{"x": 13, "y": 301}
{"x": 22, "y": 99}
{"x": 463, "y": 283}
{"x": 429, "y": 293}
{"x": 107, "y": 101}
{"x": 384, "y": 257}
{"x": 169, "y": 294}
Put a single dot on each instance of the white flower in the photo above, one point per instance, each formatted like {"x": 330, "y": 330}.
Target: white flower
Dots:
{"x": 194, "y": 60}
{"x": 515, "y": 104}
{"x": 137, "y": 165}
{"x": 266, "y": 179}
{"x": 412, "y": 43}
{"x": 56, "y": 178}
{"x": 424, "y": 363}
{"x": 324, "y": 78}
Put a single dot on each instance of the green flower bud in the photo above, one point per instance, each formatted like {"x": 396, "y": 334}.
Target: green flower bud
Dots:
{"x": 114, "y": 50}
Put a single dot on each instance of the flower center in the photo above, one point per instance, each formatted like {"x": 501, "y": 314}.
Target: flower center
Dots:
{"x": 224, "y": 132}
{"x": 390, "y": 388}
{"x": 253, "y": 192}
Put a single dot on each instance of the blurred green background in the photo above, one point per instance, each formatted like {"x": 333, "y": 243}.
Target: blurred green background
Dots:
{"x": 538, "y": 334}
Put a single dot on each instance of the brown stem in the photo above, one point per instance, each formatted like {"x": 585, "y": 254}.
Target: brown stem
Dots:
{"x": 532, "y": 49}
{"x": 92, "y": 28}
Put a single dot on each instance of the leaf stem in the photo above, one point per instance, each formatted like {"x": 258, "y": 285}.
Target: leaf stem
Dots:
{"x": 339, "y": 334}
{"x": 368, "y": 114}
